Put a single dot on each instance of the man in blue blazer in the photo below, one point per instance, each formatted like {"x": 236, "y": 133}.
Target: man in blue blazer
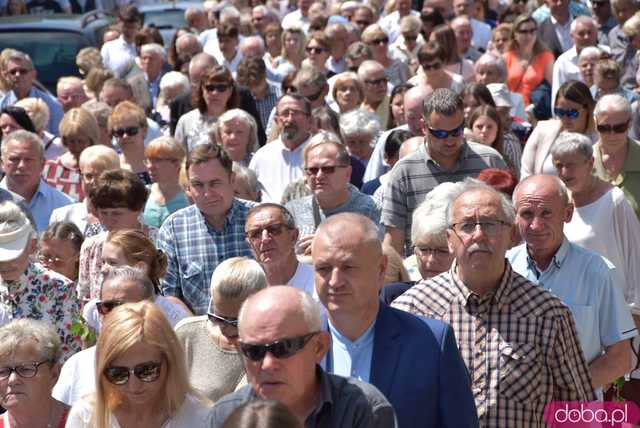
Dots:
{"x": 414, "y": 361}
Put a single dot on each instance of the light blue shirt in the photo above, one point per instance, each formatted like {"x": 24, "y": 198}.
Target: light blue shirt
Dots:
{"x": 44, "y": 201}
{"x": 589, "y": 285}
{"x": 348, "y": 358}
{"x": 55, "y": 108}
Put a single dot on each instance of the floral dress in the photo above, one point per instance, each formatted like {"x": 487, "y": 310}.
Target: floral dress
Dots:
{"x": 42, "y": 294}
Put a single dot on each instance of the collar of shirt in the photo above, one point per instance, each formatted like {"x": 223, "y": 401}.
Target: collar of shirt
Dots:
{"x": 228, "y": 220}
{"x": 464, "y": 153}
{"x": 498, "y": 297}
{"x": 365, "y": 339}
{"x": 558, "y": 258}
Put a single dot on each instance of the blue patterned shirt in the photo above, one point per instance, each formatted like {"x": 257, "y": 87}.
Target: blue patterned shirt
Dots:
{"x": 194, "y": 249}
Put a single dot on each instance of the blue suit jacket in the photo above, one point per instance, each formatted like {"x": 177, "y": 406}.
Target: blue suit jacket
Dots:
{"x": 417, "y": 366}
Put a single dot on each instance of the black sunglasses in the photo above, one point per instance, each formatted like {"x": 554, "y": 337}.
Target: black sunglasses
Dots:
{"x": 120, "y": 132}
{"x": 382, "y": 40}
{"x": 272, "y": 229}
{"x": 617, "y": 129}
{"x": 432, "y": 65}
{"x": 314, "y": 97}
{"x": 217, "y": 319}
{"x": 376, "y": 81}
{"x": 282, "y": 348}
{"x": 106, "y": 306}
{"x": 327, "y": 169}
{"x": 216, "y": 87}
{"x": 146, "y": 372}
{"x": 316, "y": 50}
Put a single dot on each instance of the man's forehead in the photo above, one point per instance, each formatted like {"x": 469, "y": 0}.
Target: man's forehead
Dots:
{"x": 290, "y": 103}
{"x": 265, "y": 216}
{"x": 477, "y": 199}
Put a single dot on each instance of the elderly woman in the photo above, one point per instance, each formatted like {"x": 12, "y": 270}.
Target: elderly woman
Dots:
{"x": 214, "y": 364}
{"x": 607, "y": 80}
{"x": 573, "y": 110}
{"x": 245, "y": 183}
{"x": 603, "y": 220}
{"x": 78, "y": 130}
{"x": 13, "y": 118}
{"x": 216, "y": 93}
{"x": 396, "y": 68}
{"x": 587, "y": 60}
{"x": 172, "y": 86}
{"x": 491, "y": 68}
{"x": 128, "y": 125}
{"x": 318, "y": 50}
{"x": 359, "y": 130}
{"x": 141, "y": 378}
{"x": 237, "y": 131}
{"x": 347, "y": 91}
{"x": 432, "y": 74}
{"x": 30, "y": 353}
{"x": 119, "y": 198}
{"x": 29, "y": 290}
{"x": 164, "y": 157}
{"x": 93, "y": 161}
{"x": 59, "y": 250}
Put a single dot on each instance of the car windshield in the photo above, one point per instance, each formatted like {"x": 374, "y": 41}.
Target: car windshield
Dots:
{"x": 53, "y": 53}
{"x": 165, "y": 18}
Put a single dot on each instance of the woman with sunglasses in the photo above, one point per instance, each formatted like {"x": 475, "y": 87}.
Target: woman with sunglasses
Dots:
{"x": 396, "y": 66}
{"x": 574, "y": 113}
{"x": 432, "y": 73}
{"x": 30, "y": 353}
{"x": 214, "y": 364}
{"x": 453, "y": 63}
{"x": 216, "y": 93}
{"x": 318, "y": 52}
{"x": 529, "y": 62}
{"x": 128, "y": 126}
{"x": 141, "y": 378}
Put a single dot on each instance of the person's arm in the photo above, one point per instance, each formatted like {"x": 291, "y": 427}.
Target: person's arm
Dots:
{"x": 548, "y": 70}
{"x": 615, "y": 362}
{"x": 170, "y": 283}
{"x": 394, "y": 237}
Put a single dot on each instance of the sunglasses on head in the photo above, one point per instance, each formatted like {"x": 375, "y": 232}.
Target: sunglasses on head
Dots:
{"x": 327, "y": 169}
{"x": 146, "y": 372}
{"x": 314, "y": 50}
{"x": 120, "y": 132}
{"x": 569, "y": 113}
{"x": 442, "y": 134}
{"x": 609, "y": 129}
{"x": 283, "y": 348}
{"x": 272, "y": 229}
{"x": 217, "y": 319}
{"x": 216, "y": 87}
{"x": 106, "y": 306}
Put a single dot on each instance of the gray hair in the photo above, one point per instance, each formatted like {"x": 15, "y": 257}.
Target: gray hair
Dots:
{"x": 249, "y": 175}
{"x": 442, "y": 101}
{"x": 611, "y": 103}
{"x": 582, "y": 19}
{"x": 187, "y": 36}
{"x": 572, "y": 143}
{"x": 132, "y": 274}
{"x": 430, "y": 217}
{"x": 359, "y": 122}
{"x": 100, "y": 110}
{"x": 13, "y": 218}
{"x": 229, "y": 12}
{"x": 366, "y": 67}
{"x": 590, "y": 51}
{"x": 287, "y": 217}
{"x": 493, "y": 60}
{"x": 237, "y": 278}
{"x": 16, "y": 334}
{"x": 242, "y": 115}
{"x": 16, "y": 55}
{"x": 155, "y": 48}
{"x": 22, "y": 136}
{"x": 471, "y": 185}
{"x": 308, "y": 75}
{"x": 106, "y": 156}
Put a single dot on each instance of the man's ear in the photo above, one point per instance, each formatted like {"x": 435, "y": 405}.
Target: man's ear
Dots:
{"x": 322, "y": 345}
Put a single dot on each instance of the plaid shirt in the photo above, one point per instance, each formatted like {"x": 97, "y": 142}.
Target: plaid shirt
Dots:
{"x": 519, "y": 344}
{"x": 194, "y": 249}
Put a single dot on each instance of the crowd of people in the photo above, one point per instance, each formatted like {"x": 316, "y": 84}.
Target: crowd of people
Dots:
{"x": 324, "y": 214}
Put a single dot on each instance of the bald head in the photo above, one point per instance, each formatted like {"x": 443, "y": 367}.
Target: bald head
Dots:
{"x": 545, "y": 186}
{"x": 354, "y": 225}
{"x": 198, "y": 65}
{"x": 413, "y": 108}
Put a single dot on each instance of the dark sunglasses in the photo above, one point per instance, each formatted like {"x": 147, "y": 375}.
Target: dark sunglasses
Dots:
{"x": 442, "y": 134}
{"x": 216, "y": 87}
{"x": 327, "y": 169}
{"x": 217, "y": 319}
{"x": 410, "y": 38}
{"x": 120, "y": 132}
{"x": 570, "y": 113}
{"x": 363, "y": 23}
{"x": 376, "y": 81}
{"x": 383, "y": 40}
{"x": 146, "y": 372}
{"x": 432, "y": 66}
{"x": 599, "y": 3}
{"x": 617, "y": 129}
{"x": 21, "y": 71}
{"x": 272, "y": 229}
{"x": 106, "y": 306}
{"x": 530, "y": 31}
{"x": 314, "y": 97}
{"x": 312, "y": 50}
{"x": 283, "y": 348}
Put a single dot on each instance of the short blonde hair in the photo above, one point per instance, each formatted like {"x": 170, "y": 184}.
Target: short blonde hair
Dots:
{"x": 125, "y": 110}
{"x": 344, "y": 78}
{"x": 79, "y": 123}
{"x": 101, "y": 157}
{"x": 371, "y": 32}
{"x": 631, "y": 28}
{"x": 237, "y": 278}
{"x": 37, "y": 110}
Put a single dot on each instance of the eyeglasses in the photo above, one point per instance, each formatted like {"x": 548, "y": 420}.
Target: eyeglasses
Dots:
{"x": 272, "y": 229}
{"x": 435, "y": 252}
{"x": 382, "y": 40}
{"x": 326, "y": 169}
{"x": 120, "y": 132}
{"x": 106, "y": 306}
{"x": 292, "y": 112}
{"x": 23, "y": 370}
{"x": 376, "y": 81}
{"x": 314, "y": 50}
{"x": 217, "y": 319}
{"x": 21, "y": 71}
{"x": 570, "y": 113}
{"x": 432, "y": 66}
{"x": 283, "y": 348}
{"x": 468, "y": 228}
{"x": 527, "y": 31}
{"x": 216, "y": 87}
{"x": 442, "y": 134}
{"x": 146, "y": 372}
{"x": 617, "y": 129}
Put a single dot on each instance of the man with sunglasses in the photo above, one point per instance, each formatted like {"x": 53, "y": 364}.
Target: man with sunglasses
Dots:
{"x": 282, "y": 344}
{"x": 391, "y": 349}
{"x": 584, "y": 280}
{"x": 445, "y": 156}
{"x": 376, "y": 88}
{"x": 123, "y": 284}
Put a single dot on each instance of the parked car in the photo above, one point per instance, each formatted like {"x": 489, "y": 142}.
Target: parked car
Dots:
{"x": 167, "y": 17}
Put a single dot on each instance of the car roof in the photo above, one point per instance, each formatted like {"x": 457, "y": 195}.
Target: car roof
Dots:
{"x": 183, "y": 5}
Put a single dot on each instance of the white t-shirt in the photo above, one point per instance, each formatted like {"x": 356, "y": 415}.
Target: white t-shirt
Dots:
{"x": 303, "y": 279}
{"x": 77, "y": 377}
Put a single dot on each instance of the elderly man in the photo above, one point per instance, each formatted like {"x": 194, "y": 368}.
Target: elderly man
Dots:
{"x": 272, "y": 235}
{"x": 261, "y": 16}
{"x": 555, "y": 30}
{"x": 23, "y": 163}
{"x": 198, "y": 238}
{"x": 121, "y": 285}
{"x": 491, "y": 68}
{"x": 461, "y": 26}
{"x": 18, "y": 71}
{"x": 374, "y": 79}
{"x": 445, "y": 156}
{"x": 282, "y": 343}
{"x": 152, "y": 59}
{"x": 481, "y": 31}
{"x": 119, "y": 54}
{"x": 70, "y": 92}
{"x": 280, "y": 162}
{"x": 328, "y": 168}
{"x": 187, "y": 47}
{"x": 391, "y": 349}
{"x": 536, "y": 357}
{"x": 585, "y": 281}
{"x": 619, "y": 42}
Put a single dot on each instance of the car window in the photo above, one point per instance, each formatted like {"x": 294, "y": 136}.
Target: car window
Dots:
{"x": 165, "y": 18}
